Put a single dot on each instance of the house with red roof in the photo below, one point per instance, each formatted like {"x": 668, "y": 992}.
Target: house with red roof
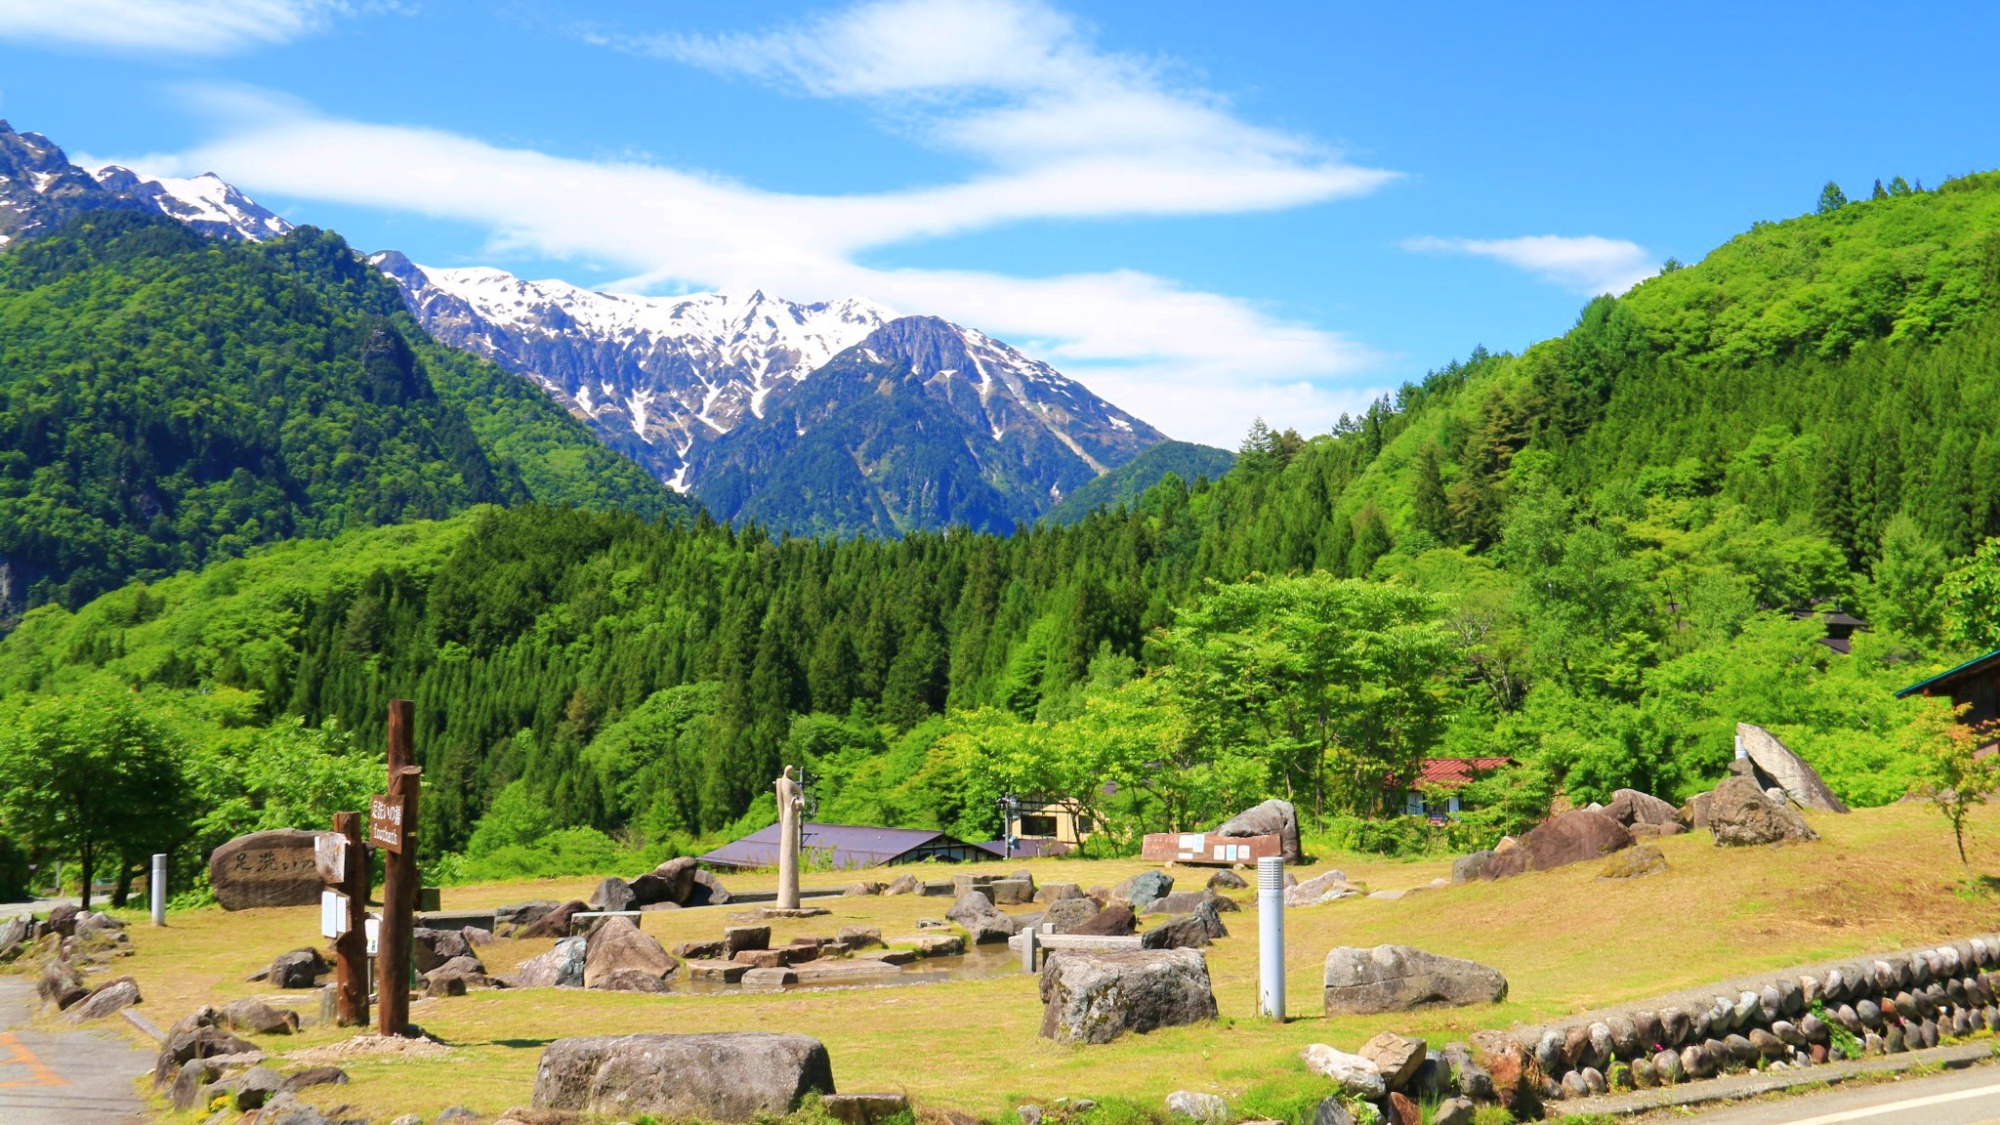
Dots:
{"x": 1433, "y": 791}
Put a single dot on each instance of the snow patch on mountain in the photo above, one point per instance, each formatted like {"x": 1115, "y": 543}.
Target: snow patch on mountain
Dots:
{"x": 205, "y": 202}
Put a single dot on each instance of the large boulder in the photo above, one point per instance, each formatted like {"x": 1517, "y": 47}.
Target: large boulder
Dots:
{"x": 561, "y": 967}
{"x": 1571, "y": 837}
{"x": 1643, "y": 813}
{"x": 1396, "y": 1056}
{"x": 274, "y": 868}
{"x": 1396, "y": 978}
{"x": 1065, "y": 915}
{"x": 1327, "y": 886}
{"x": 706, "y": 891}
{"x": 1786, "y": 770}
{"x": 1112, "y": 921}
{"x": 431, "y": 948}
{"x": 612, "y": 894}
{"x": 1183, "y": 931}
{"x": 553, "y": 923}
{"x": 1096, "y": 997}
{"x": 191, "y": 1039}
{"x": 727, "y": 1076}
{"x": 1469, "y": 868}
{"x": 1272, "y": 818}
{"x": 1355, "y": 1076}
{"x": 618, "y": 948}
{"x": 1740, "y": 813}
{"x": 254, "y": 1016}
{"x": 1143, "y": 889}
{"x": 1515, "y": 1077}
{"x": 301, "y": 968}
{"x": 676, "y": 879}
{"x": 981, "y": 919}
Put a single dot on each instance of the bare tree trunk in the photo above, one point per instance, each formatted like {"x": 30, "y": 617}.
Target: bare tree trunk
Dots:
{"x": 123, "y": 889}
{"x": 89, "y": 863}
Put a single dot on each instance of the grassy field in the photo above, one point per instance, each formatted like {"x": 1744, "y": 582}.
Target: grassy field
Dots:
{"x": 1567, "y": 940}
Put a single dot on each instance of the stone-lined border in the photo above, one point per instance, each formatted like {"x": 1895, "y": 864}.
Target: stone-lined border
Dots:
{"x": 1797, "y": 1019}
{"x": 1739, "y": 1087}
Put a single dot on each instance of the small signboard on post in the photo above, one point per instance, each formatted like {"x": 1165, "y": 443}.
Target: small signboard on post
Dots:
{"x": 330, "y": 858}
{"x": 385, "y": 822}
{"x": 1207, "y": 849}
{"x": 332, "y": 914}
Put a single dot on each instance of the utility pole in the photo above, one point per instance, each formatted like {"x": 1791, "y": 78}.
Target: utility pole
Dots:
{"x": 350, "y": 949}
{"x": 399, "y": 882}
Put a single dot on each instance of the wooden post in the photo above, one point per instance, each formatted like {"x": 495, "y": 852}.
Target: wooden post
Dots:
{"x": 399, "y": 883}
{"x": 350, "y": 950}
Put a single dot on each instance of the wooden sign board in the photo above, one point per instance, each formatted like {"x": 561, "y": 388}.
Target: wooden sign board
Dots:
{"x": 385, "y": 823}
{"x": 1207, "y": 849}
{"x": 332, "y": 914}
{"x": 330, "y": 857}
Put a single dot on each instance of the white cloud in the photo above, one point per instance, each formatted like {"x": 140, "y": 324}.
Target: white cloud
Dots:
{"x": 1065, "y": 131}
{"x": 1588, "y": 264}
{"x": 195, "y": 27}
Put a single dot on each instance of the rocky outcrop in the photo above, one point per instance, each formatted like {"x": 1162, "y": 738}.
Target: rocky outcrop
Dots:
{"x": 731, "y": 1076}
{"x": 1272, "y": 818}
{"x": 553, "y": 923}
{"x": 1571, "y": 837}
{"x": 1397, "y": 978}
{"x": 561, "y": 967}
{"x": 1646, "y": 859}
{"x": 1096, "y": 997}
{"x": 1778, "y": 766}
{"x": 256, "y": 1017}
{"x": 1740, "y": 813}
{"x": 1353, "y": 1075}
{"x": 1643, "y": 814}
{"x": 982, "y": 920}
{"x": 1328, "y": 886}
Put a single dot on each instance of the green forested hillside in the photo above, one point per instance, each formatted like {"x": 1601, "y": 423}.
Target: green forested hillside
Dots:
{"x": 167, "y": 400}
{"x": 1126, "y": 483}
{"x": 1584, "y": 557}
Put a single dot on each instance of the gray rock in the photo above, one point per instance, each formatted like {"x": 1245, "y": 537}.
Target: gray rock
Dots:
{"x": 1453, "y": 1111}
{"x": 107, "y": 999}
{"x": 1397, "y": 978}
{"x": 865, "y": 1109}
{"x": 255, "y": 1086}
{"x": 431, "y": 948}
{"x": 1332, "y": 1111}
{"x": 707, "y": 891}
{"x": 736, "y": 939}
{"x": 314, "y": 1076}
{"x": 1593, "y": 1080}
{"x": 612, "y": 894}
{"x": 1741, "y": 815}
{"x": 193, "y": 1039}
{"x": 981, "y": 919}
{"x": 1574, "y": 1086}
{"x": 1355, "y": 1076}
{"x": 1227, "y": 880}
{"x": 1142, "y": 890}
{"x": 1469, "y": 868}
{"x": 1187, "y": 931}
{"x": 300, "y": 968}
{"x": 1397, "y": 1057}
{"x": 1096, "y": 997}
{"x": 258, "y": 1018}
{"x": 1632, "y": 808}
{"x": 1205, "y": 1108}
{"x": 619, "y": 948}
{"x": 904, "y": 885}
{"x": 1775, "y": 762}
{"x": 1272, "y": 818}
{"x": 672, "y": 881}
{"x": 1327, "y": 886}
{"x": 561, "y": 967}
{"x": 1570, "y": 837}
{"x": 732, "y": 1076}
{"x": 1065, "y": 915}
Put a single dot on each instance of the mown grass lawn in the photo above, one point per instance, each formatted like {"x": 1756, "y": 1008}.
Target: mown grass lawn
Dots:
{"x": 1567, "y": 940}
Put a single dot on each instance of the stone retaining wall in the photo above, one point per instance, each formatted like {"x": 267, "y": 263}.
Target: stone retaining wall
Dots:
{"x": 1866, "y": 1005}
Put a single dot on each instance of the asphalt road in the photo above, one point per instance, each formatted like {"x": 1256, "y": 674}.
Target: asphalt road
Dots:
{"x": 81, "y": 1077}
{"x": 1959, "y": 1097}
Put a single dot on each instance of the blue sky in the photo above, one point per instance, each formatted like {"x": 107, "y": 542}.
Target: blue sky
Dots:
{"x": 1206, "y": 212}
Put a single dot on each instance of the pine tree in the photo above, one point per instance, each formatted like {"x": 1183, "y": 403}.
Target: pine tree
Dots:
{"x": 1831, "y": 198}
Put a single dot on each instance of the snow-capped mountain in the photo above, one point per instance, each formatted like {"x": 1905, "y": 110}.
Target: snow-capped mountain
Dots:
{"x": 205, "y": 203}
{"x": 656, "y": 377}
{"x": 921, "y": 425}
{"x": 40, "y": 190}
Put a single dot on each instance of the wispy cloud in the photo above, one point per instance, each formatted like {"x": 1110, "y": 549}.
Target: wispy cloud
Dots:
{"x": 1587, "y": 264}
{"x": 190, "y": 27}
{"x": 1063, "y": 131}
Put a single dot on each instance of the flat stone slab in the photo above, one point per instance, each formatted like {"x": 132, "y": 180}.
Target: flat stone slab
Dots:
{"x": 765, "y": 913}
{"x": 889, "y": 956}
{"x": 1088, "y": 943}
{"x": 770, "y": 976}
{"x": 861, "y": 968}
{"x": 716, "y": 972}
{"x": 457, "y": 920}
{"x": 932, "y": 945}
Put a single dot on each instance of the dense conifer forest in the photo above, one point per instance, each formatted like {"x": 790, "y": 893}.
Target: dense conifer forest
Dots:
{"x": 1592, "y": 558}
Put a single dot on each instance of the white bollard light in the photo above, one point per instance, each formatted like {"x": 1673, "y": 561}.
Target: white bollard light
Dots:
{"x": 1271, "y": 934}
{"x": 156, "y": 888}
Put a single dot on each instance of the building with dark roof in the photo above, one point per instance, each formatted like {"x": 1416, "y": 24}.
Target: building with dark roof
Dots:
{"x": 845, "y": 847}
{"x": 1973, "y": 685}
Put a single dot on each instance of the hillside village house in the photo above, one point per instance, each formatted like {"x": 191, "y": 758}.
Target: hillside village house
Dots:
{"x": 1434, "y": 790}
{"x": 1974, "y": 685}
{"x": 1039, "y": 826}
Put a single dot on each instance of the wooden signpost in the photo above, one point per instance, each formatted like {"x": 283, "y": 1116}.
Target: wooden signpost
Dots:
{"x": 350, "y": 948}
{"x": 393, "y": 818}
